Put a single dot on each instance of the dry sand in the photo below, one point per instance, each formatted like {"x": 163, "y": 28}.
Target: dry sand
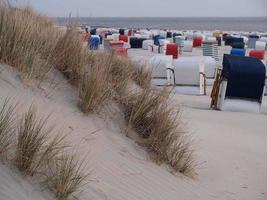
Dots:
{"x": 230, "y": 149}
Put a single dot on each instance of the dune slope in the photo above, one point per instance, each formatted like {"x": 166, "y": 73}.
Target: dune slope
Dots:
{"x": 231, "y": 149}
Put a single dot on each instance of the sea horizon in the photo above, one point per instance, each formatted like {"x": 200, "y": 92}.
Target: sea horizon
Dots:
{"x": 248, "y": 24}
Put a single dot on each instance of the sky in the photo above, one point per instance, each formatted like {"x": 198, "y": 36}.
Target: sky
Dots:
{"x": 150, "y": 8}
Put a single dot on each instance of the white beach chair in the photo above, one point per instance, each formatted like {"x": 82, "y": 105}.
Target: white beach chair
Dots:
{"x": 188, "y": 46}
{"x": 163, "y": 45}
{"x": 194, "y": 71}
{"x": 162, "y": 69}
{"x": 260, "y": 45}
{"x": 147, "y": 44}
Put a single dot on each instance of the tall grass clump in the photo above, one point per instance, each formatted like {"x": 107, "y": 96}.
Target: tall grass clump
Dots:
{"x": 169, "y": 140}
{"x": 151, "y": 115}
{"x": 33, "y": 44}
{"x": 40, "y": 153}
{"x": 122, "y": 72}
{"x": 32, "y": 135}
{"x": 142, "y": 76}
{"x": 35, "y": 146}
{"x": 26, "y": 40}
{"x": 69, "y": 54}
{"x": 66, "y": 176}
{"x": 7, "y": 127}
{"x": 139, "y": 108}
{"x": 95, "y": 88}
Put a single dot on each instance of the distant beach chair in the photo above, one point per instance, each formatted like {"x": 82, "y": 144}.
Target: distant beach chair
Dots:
{"x": 179, "y": 40}
{"x": 173, "y": 50}
{"x": 118, "y": 48}
{"x": 194, "y": 71}
{"x": 94, "y": 42}
{"x": 187, "y": 46}
{"x": 147, "y": 44}
{"x": 136, "y": 43}
{"x": 260, "y": 54}
{"x": 162, "y": 69}
{"x": 260, "y": 45}
{"x": 197, "y": 41}
{"x": 252, "y": 39}
{"x": 163, "y": 45}
{"x": 240, "y": 85}
{"x": 238, "y": 52}
{"x": 210, "y": 48}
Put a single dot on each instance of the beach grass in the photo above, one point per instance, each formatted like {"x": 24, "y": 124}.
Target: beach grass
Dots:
{"x": 32, "y": 137}
{"x": 95, "y": 89}
{"x": 7, "y": 127}
{"x": 66, "y": 176}
{"x": 152, "y": 116}
{"x": 33, "y": 44}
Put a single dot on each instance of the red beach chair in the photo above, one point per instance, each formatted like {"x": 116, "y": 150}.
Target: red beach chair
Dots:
{"x": 257, "y": 54}
{"x": 123, "y": 38}
{"x": 117, "y": 47}
{"x": 116, "y": 44}
{"x": 197, "y": 42}
{"x": 173, "y": 50}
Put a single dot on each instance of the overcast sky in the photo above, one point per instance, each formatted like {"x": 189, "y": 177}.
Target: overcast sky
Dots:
{"x": 150, "y": 8}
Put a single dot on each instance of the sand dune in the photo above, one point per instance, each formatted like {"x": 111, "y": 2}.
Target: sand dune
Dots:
{"x": 230, "y": 149}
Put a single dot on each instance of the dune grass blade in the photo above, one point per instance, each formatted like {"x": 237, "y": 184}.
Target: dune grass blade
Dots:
{"x": 66, "y": 176}
{"x": 32, "y": 135}
{"x": 150, "y": 113}
{"x": 139, "y": 110}
{"x": 49, "y": 151}
{"x": 121, "y": 72}
{"x": 95, "y": 88}
{"x": 169, "y": 140}
{"x": 69, "y": 54}
{"x": 142, "y": 76}
{"x": 7, "y": 127}
{"x": 27, "y": 40}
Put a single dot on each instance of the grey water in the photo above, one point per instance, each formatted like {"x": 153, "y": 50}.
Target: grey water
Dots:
{"x": 177, "y": 23}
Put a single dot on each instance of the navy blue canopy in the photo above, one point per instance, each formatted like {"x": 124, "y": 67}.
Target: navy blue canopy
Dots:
{"x": 245, "y": 76}
{"x": 93, "y": 31}
{"x": 136, "y": 43}
{"x": 121, "y": 31}
{"x": 156, "y": 39}
{"x": 169, "y": 34}
{"x": 229, "y": 40}
{"x": 176, "y": 34}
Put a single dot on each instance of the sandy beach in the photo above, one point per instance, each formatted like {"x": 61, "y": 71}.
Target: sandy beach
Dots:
{"x": 230, "y": 149}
